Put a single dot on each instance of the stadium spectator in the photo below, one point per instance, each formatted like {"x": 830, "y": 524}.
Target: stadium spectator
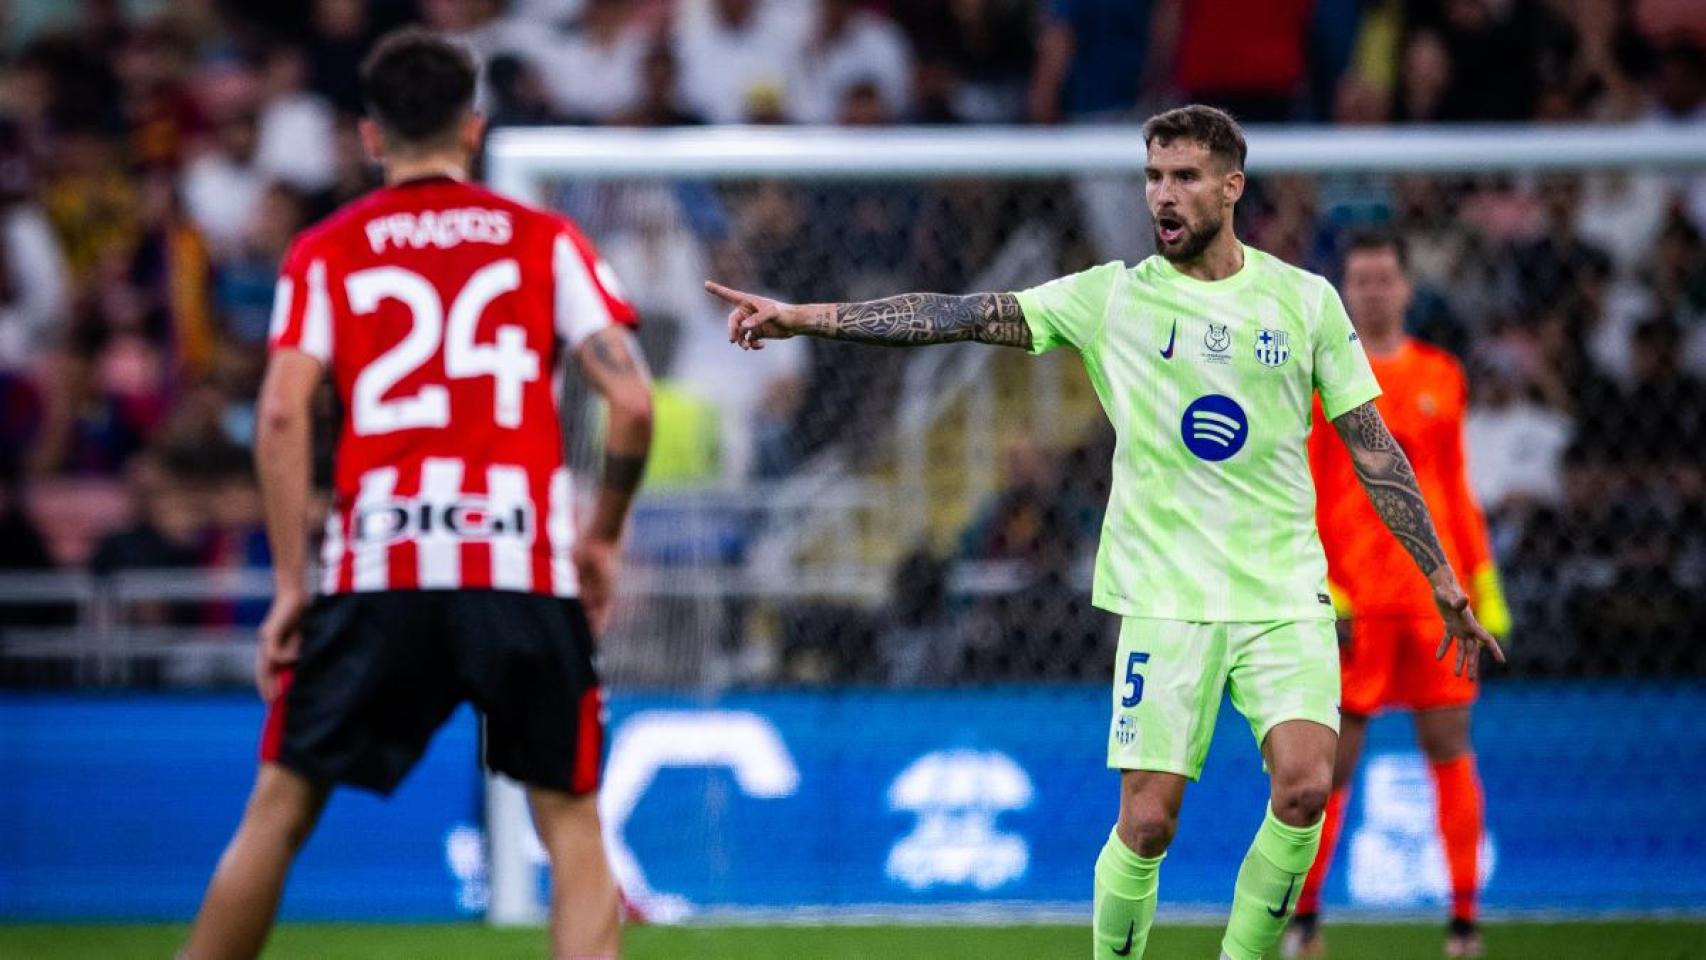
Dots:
{"x": 1558, "y": 268}
{"x": 1247, "y": 58}
{"x": 34, "y": 292}
{"x": 245, "y": 280}
{"x": 340, "y": 32}
{"x": 516, "y": 94}
{"x": 1423, "y": 80}
{"x": 974, "y": 58}
{"x": 165, "y": 281}
{"x": 294, "y": 125}
{"x": 1661, "y": 416}
{"x": 23, "y": 548}
{"x": 851, "y": 52}
{"x": 166, "y": 533}
{"x": 21, "y": 543}
{"x": 1493, "y": 54}
{"x": 1515, "y": 445}
{"x": 737, "y": 56}
{"x": 161, "y": 114}
{"x": 659, "y": 103}
{"x": 222, "y": 188}
{"x": 104, "y": 398}
{"x": 487, "y": 28}
{"x": 594, "y": 71}
{"x": 1679, "y": 96}
{"x": 352, "y": 173}
{"x": 89, "y": 200}
{"x": 1091, "y": 60}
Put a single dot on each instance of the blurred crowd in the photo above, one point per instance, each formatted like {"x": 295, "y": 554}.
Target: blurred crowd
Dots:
{"x": 156, "y": 158}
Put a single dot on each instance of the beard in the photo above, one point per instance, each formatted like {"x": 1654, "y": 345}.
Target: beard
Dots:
{"x": 1192, "y": 241}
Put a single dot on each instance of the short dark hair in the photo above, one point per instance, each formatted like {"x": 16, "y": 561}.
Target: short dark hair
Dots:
{"x": 417, "y": 85}
{"x": 1210, "y": 126}
{"x": 1379, "y": 238}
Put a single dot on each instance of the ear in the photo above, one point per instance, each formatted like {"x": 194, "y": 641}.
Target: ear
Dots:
{"x": 372, "y": 139}
{"x": 473, "y": 132}
{"x": 1234, "y": 187}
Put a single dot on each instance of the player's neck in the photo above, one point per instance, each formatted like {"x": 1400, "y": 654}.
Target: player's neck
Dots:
{"x": 424, "y": 167}
{"x": 1223, "y": 258}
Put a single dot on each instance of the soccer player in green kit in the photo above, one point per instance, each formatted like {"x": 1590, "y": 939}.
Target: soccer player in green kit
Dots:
{"x": 1206, "y": 359}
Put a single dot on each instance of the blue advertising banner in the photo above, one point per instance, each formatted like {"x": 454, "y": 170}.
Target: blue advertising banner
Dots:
{"x": 870, "y": 800}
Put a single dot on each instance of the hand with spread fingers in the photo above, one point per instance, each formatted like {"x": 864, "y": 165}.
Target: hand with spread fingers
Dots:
{"x": 756, "y": 319}
{"x": 1461, "y": 625}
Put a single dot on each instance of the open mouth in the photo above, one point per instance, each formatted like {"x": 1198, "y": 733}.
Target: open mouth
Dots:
{"x": 1169, "y": 228}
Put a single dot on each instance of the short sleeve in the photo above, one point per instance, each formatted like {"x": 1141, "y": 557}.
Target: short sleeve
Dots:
{"x": 588, "y": 297}
{"x": 1342, "y": 374}
{"x": 302, "y": 305}
{"x": 1068, "y": 312}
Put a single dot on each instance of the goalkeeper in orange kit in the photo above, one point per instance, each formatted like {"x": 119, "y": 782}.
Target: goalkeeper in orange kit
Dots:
{"x": 1389, "y": 631}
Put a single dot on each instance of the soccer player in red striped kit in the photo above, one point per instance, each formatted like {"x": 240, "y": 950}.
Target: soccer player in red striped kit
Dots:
{"x": 452, "y": 569}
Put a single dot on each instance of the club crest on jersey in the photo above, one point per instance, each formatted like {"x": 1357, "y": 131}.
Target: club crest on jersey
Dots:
{"x": 467, "y": 517}
{"x": 1273, "y": 348}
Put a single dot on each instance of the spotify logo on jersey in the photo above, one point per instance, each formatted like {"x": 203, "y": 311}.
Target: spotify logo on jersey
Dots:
{"x": 1214, "y": 427}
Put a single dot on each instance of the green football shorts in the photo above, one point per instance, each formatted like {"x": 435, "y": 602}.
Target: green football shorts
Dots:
{"x": 1169, "y": 674}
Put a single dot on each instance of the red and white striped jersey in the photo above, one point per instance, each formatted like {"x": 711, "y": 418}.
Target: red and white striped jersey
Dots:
{"x": 441, "y": 311}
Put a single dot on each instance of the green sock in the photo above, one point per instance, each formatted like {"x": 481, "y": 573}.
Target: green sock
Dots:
{"x": 1268, "y": 884}
{"x": 1125, "y": 900}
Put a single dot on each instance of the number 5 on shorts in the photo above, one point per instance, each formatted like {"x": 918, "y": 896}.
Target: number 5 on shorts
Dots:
{"x": 1134, "y": 679}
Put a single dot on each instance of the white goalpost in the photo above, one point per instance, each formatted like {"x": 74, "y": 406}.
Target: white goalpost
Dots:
{"x": 836, "y": 526}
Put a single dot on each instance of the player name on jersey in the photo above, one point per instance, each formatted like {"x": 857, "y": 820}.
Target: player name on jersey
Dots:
{"x": 439, "y": 228}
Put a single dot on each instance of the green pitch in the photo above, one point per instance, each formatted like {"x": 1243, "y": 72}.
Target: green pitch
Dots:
{"x": 1668, "y": 940}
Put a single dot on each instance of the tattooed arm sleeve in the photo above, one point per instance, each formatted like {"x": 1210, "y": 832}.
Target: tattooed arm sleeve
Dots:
{"x": 1390, "y": 483}
{"x": 914, "y": 319}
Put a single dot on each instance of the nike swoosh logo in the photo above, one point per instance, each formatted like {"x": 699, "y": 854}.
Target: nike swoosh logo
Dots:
{"x": 1167, "y": 354}
{"x": 1276, "y": 914}
{"x": 1125, "y": 951}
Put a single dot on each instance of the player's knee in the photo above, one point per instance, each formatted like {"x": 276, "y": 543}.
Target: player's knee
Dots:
{"x": 1147, "y": 827}
{"x": 1301, "y": 799}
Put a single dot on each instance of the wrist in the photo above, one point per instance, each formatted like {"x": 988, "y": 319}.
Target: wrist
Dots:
{"x": 601, "y": 539}
{"x": 813, "y": 318}
{"x": 1444, "y": 581}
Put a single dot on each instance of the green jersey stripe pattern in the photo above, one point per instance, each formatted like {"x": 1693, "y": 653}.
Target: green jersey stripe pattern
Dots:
{"x": 1208, "y": 386}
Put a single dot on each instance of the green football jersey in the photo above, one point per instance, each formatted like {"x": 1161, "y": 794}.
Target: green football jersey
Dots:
{"x": 1209, "y": 388}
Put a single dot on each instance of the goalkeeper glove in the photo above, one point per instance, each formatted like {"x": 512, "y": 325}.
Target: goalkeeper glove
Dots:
{"x": 1488, "y": 593}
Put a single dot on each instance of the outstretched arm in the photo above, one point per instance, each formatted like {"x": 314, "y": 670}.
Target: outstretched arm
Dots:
{"x": 1390, "y": 483}
{"x": 911, "y": 319}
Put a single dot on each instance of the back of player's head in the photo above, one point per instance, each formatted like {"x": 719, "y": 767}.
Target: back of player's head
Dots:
{"x": 1377, "y": 239}
{"x": 418, "y": 86}
{"x": 1211, "y": 127}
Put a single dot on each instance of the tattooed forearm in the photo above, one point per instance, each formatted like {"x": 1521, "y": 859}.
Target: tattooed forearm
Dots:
{"x": 912, "y": 319}
{"x": 1390, "y": 483}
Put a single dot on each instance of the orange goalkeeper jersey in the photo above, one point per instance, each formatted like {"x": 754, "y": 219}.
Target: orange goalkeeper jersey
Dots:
{"x": 1424, "y": 402}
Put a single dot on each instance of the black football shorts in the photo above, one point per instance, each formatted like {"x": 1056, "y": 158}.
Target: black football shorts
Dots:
{"x": 379, "y": 673}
